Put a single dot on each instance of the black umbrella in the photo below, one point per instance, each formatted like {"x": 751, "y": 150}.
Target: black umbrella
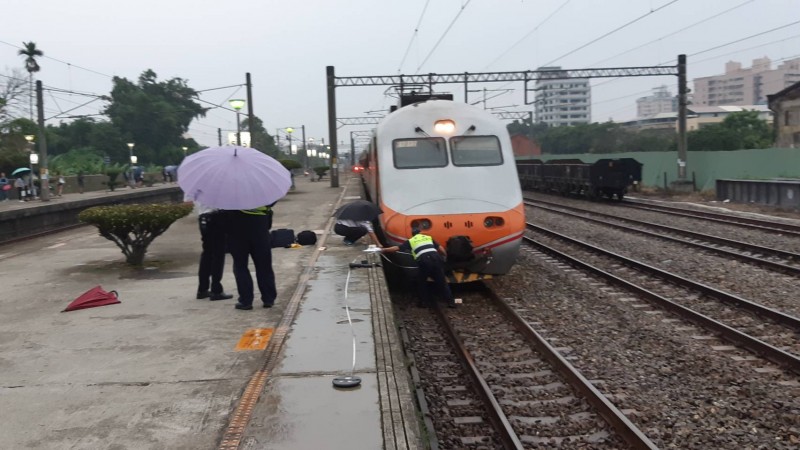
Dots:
{"x": 358, "y": 210}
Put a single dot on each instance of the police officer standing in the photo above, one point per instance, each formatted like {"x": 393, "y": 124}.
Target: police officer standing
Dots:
{"x": 248, "y": 237}
{"x": 430, "y": 257}
{"x": 212, "y": 258}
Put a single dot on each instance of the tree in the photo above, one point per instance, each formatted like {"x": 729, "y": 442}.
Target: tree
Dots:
{"x": 739, "y": 130}
{"x": 30, "y": 52}
{"x": 134, "y": 227}
{"x": 154, "y": 115}
{"x": 260, "y": 139}
{"x": 11, "y": 94}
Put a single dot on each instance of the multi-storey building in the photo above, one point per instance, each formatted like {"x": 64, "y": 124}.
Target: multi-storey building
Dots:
{"x": 745, "y": 86}
{"x": 662, "y": 101}
{"x": 562, "y": 101}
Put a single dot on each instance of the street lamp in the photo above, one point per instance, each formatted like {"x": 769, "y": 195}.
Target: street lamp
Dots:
{"x": 130, "y": 154}
{"x": 184, "y": 151}
{"x": 289, "y": 131}
{"x": 31, "y": 145}
{"x": 237, "y": 104}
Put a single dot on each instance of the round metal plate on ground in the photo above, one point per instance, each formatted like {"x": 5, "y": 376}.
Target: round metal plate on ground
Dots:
{"x": 346, "y": 381}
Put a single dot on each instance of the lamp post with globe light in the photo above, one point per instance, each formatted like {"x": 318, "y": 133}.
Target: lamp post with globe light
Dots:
{"x": 132, "y": 162}
{"x": 237, "y": 104}
{"x": 184, "y": 151}
{"x": 31, "y": 145}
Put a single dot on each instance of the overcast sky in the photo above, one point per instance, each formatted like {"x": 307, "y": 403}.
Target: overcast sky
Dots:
{"x": 285, "y": 46}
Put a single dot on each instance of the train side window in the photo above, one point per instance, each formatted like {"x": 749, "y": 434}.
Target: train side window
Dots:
{"x": 476, "y": 151}
{"x": 419, "y": 153}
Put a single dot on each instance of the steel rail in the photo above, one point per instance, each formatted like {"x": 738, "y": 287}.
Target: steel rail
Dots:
{"x": 785, "y": 268}
{"x": 729, "y": 219}
{"x": 746, "y": 341}
{"x": 612, "y": 415}
{"x": 507, "y": 434}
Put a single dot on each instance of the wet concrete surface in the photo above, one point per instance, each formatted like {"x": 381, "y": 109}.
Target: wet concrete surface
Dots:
{"x": 159, "y": 370}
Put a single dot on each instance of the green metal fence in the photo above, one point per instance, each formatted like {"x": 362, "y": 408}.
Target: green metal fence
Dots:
{"x": 661, "y": 168}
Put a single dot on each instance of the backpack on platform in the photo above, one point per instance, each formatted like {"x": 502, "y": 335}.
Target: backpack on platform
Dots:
{"x": 282, "y": 237}
{"x": 306, "y": 237}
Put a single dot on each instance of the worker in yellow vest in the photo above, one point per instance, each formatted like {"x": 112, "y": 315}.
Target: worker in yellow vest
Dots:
{"x": 248, "y": 237}
{"x": 430, "y": 257}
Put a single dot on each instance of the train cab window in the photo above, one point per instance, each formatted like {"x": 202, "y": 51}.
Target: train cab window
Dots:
{"x": 476, "y": 151}
{"x": 419, "y": 153}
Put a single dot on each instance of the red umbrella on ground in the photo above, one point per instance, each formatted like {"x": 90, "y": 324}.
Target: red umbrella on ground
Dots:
{"x": 95, "y": 296}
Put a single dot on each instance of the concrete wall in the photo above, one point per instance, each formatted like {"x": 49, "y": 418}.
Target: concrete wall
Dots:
{"x": 29, "y": 221}
{"x": 707, "y": 167}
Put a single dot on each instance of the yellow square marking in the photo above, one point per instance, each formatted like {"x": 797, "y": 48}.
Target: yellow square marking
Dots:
{"x": 254, "y": 339}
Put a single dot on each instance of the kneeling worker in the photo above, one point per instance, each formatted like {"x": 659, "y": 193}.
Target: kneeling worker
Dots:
{"x": 430, "y": 256}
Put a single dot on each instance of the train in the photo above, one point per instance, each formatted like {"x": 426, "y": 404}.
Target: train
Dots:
{"x": 607, "y": 177}
{"x": 448, "y": 169}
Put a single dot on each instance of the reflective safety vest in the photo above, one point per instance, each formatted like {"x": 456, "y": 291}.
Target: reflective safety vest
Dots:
{"x": 421, "y": 244}
{"x": 260, "y": 211}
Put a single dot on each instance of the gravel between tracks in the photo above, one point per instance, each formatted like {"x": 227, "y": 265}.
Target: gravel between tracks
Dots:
{"x": 684, "y": 393}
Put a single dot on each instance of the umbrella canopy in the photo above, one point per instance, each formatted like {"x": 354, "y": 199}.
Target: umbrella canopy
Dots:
{"x": 170, "y": 168}
{"x": 20, "y": 170}
{"x": 358, "y": 210}
{"x": 95, "y": 296}
{"x": 233, "y": 177}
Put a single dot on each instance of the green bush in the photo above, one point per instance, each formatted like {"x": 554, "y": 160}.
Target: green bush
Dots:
{"x": 321, "y": 171}
{"x": 291, "y": 164}
{"x": 134, "y": 227}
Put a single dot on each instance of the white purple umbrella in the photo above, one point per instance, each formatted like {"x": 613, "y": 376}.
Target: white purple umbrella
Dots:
{"x": 233, "y": 177}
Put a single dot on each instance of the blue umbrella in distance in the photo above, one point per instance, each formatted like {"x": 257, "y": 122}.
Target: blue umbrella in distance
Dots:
{"x": 20, "y": 170}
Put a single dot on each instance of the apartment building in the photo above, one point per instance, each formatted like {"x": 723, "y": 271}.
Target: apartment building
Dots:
{"x": 745, "y": 86}
{"x": 562, "y": 101}
{"x": 662, "y": 101}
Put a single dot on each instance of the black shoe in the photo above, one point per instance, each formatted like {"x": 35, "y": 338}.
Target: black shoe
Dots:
{"x": 203, "y": 294}
{"x": 451, "y": 305}
{"x": 268, "y": 305}
{"x": 220, "y": 296}
{"x": 243, "y": 306}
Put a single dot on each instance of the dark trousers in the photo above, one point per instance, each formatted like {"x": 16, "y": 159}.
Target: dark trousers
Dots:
{"x": 432, "y": 265}
{"x": 352, "y": 234}
{"x": 248, "y": 237}
{"x": 212, "y": 259}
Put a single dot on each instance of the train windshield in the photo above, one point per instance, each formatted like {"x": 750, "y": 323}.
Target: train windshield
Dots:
{"x": 476, "y": 151}
{"x": 419, "y": 153}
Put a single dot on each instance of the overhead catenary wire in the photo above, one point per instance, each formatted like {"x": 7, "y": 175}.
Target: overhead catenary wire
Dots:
{"x": 674, "y": 32}
{"x": 447, "y": 30}
{"x": 653, "y": 11}
{"x": 413, "y": 36}
{"x": 546, "y": 19}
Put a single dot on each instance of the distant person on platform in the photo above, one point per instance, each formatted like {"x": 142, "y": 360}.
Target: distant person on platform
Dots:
{"x": 80, "y": 182}
{"x": 61, "y": 183}
{"x": 4, "y": 187}
{"x": 430, "y": 256}
{"x": 21, "y": 191}
{"x": 212, "y": 258}
{"x": 353, "y": 230}
{"x": 249, "y": 237}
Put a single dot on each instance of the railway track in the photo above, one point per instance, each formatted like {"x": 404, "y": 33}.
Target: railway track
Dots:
{"x": 728, "y": 219}
{"x": 772, "y": 258}
{"x": 763, "y": 331}
{"x": 507, "y": 375}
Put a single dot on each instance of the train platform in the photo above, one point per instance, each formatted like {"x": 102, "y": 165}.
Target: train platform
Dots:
{"x": 163, "y": 370}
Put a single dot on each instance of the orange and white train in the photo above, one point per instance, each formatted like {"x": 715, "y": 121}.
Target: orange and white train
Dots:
{"x": 448, "y": 169}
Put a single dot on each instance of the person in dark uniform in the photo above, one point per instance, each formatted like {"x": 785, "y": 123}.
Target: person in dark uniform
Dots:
{"x": 212, "y": 258}
{"x": 430, "y": 257}
{"x": 248, "y": 237}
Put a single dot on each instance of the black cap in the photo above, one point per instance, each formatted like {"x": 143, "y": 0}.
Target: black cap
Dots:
{"x": 414, "y": 231}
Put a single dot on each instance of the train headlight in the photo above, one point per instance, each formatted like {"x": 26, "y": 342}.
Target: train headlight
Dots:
{"x": 493, "y": 222}
{"x": 446, "y": 126}
{"x": 421, "y": 224}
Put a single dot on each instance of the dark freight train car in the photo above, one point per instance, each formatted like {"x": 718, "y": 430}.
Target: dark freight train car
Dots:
{"x": 603, "y": 178}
